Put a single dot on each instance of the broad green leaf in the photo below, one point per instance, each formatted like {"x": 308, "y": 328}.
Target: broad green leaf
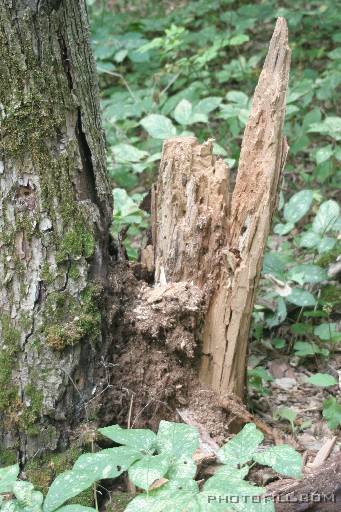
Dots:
{"x": 328, "y": 332}
{"x": 298, "y": 206}
{"x": 177, "y": 438}
{"x": 322, "y": 380}
{"x": 323, "y": 154}
{"x": 301, "y": 297}
{"x": 175, "y": 496}
{"x": 241, "y": 447}
{"x": 332, "y": 412}
{"x": 27, "y": 497}
{"x": 307, "y": 273}
{"x": 128, "y": 153}
{"x": 326, "y": 216}
{"x": 109, "y": 463}
{"x": 183, "y": 111}
{"x": 238, "y": 39}
{"x": 273, "y": 264}
{"x": 238, "y": 97}
{"x": 282, "y": 458}
{"x": 181, "y": 467}
{"x": 207, "y": 105}
{"x": 219, "y": 150}
{"x": 220, "y": 493}
{"x": 124, "y": 205}
{"x": 279, "y": 315}
{"x": 66, "y": 486}
{"x": 144, "y": 472}
{"x": 230, "y": 472}
{"x": 198, "y": 117}
{"x": 138, "y": 438}
{"x": 326, "y": 244}
{"x": 283, "y": 229}
{"x": 158, "y": 126}
{"x": 304, "y": 349}
{"x": 8, "y": 476}
{"x": 278, "y": 343}
{"x": 301, "y": 328}
{"x": 286, "y": 413}
{"x": 76, "y": 508}
{"x": 330, "y": 126}
{"x": 310, "y": 240}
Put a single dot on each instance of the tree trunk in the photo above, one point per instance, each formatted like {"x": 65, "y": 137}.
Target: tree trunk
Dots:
{"x": 55, "y": 212}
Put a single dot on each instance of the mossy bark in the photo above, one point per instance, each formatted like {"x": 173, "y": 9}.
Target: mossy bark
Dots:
{"x": 55, "y": 212}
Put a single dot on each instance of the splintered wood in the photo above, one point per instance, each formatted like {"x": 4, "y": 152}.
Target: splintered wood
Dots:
{"x": 208, "y": 239}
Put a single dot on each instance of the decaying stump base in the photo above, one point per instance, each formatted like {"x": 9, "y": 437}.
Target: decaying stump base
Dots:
{"x": 187, "y": 333}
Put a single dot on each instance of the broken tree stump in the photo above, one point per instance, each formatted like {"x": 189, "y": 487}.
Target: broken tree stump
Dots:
{"x": 213, "y": 241}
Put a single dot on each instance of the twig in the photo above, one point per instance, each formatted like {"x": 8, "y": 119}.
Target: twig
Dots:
{"x": 118, "y": 75}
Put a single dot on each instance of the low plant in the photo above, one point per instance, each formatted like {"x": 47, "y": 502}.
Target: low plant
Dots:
{"x": 160, "y": 465}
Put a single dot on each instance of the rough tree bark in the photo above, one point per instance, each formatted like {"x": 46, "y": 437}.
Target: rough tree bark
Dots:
{"x": 55, "y": 212}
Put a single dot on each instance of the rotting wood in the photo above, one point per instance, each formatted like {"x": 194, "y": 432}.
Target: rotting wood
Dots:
{"x": 204, "y": 238}
{"x": 318, "y": 491}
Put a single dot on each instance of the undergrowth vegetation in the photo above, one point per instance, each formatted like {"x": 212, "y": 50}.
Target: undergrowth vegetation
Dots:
{"x": 190, "y": 68}
{"x": 162, "y": 466}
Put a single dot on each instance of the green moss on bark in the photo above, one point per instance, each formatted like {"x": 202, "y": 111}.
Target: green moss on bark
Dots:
{"x": 74, "y": 320}
{"x": 8, "y": 352}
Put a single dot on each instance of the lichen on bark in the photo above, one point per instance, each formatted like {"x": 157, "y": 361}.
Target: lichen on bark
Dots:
{"x": 55, "y": 205}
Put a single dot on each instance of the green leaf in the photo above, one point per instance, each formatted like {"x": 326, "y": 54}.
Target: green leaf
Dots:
{"x": 158, "y": 126}
{"x": 219, "y": 493}
{"x": 310, "y": 240}
{"x": 109, "y": 463}
{"x": 298, "y": 206}
{"x": 323, "y": 154}
{"x": 238, "y": 97}
{"x": 29, "y": 499}
{"x": 307, "y": 273}
{"x": 328, "y": 332}
{"x": 326, "y": 244}
{"x": 8, "y": 476}
{"x": 279, "y": 343}
{"x": 332, "y": 412}
{"x": 301, "y": 297}
{"x": 304, "y": 349}
{"x": 144, "y": 472}
{"x": 322, "y": 380}
{"x": 286, "y": 413}
{"x": 283, "y": 229}
{"x": 274, "y": 265}
{"x": 183, "y": 112}
{"x": 238, "y": 39}
{"x": 177, "y": 438}
{"x": 128, "y": 153}
{"x": 326, "y": 217}
{"x": 137, "y": 438}
{"x": 282, "y": 458}
{"x": 279, "y": 315}
{"x": 66, "y": 486}
{"x": 175, "y": 496}
{"x": 76, "y": 508}
{"x": 330, "y": 126}
{"x": 181, "y": 467}
{"x": 207, "y": 105}
{"x": 241, "y": 447}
